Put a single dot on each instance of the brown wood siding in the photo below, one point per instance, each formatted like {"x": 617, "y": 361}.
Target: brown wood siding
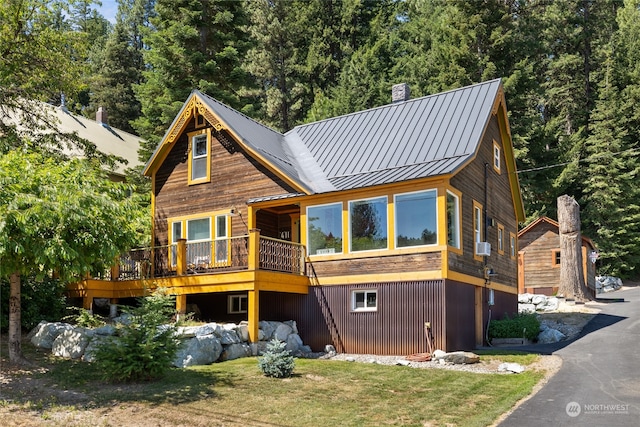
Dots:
{"x": 539, "y": 271}
{"x": 235, "y": 178}
{"x": 324, "y": 316}
{"x": 386, "y": 264}
{"x": 498, "y": 205}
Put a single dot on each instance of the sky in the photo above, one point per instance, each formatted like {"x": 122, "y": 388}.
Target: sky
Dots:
{"x": 108, "y": 9}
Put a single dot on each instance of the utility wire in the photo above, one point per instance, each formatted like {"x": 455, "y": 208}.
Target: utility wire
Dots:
{"x": 595, "y": 156}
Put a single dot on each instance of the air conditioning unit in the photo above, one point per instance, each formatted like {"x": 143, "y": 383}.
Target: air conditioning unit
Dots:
{"x": 483, "y": 248}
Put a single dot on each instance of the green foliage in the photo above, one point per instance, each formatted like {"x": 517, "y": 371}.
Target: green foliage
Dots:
{"x": 84, "y": 318}
{"x": 145, "y": 344}
{"x": 521, "y": 325}
{"x": 276, "y": 362}
{"x": 41, "y": 300}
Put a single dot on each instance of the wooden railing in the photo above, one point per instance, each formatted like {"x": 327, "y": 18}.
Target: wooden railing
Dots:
{"x": 210, "y": 256}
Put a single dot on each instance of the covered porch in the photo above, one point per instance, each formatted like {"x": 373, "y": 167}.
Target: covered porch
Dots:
{"x": 249, "y": 263}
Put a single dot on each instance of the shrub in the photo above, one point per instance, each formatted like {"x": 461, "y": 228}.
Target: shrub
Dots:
{"x": 521, "y": 325}
{"x": 145, "y": 346}
{"x": 276, "y": 362}
{"x": 40, "y": 300}
{"x": 84, "y": 318}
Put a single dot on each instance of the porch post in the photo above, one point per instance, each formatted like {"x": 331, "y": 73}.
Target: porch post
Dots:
{"x": 181, "y": 257}
{"x": 181, "y": 305}
{"x": 254, "y": 249}
{"x": 115, "y": 269}
{"x": 253, "y": 312}
{"x": 113, "y": 307}
{"x": 87, "y": 302}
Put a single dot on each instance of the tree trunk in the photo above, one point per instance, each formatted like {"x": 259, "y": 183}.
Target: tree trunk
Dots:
{"x": 15, "y": 335}
{"x": 572, "y": 283}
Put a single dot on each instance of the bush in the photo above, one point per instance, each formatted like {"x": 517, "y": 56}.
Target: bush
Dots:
{"x": 84, "y": 318}
{"x": 40, "y": 300}
{"x": 521, "y": 325}
{"x": 144, "y": 347}
{"x": 276, "y": 361}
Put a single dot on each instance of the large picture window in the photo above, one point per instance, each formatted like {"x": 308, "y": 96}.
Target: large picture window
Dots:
{"x": 368, "y": 224}
{"x": 324, "y": 229}
{"x": 453, "y": 220}
{"x": 416, "y": 219}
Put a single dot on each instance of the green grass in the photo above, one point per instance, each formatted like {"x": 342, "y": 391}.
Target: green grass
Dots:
{"x": 320, "y": 392}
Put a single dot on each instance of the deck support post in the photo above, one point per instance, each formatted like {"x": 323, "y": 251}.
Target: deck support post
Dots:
{"x": 181, "y": 257}
{"x": 253, "y": 314}
{"x": 87, "y": 302}
{"x": 254, "y": 249}
{"x": 113, "y": 307}
{"x": 181, "y": 305}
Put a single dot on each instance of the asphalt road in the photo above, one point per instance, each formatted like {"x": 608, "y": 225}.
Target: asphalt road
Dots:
{"x": 599, "y": 381}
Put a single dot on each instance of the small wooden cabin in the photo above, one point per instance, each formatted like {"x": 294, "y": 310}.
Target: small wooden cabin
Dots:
{"x": 364, "y": 229}
{"x": 539, "y": 258}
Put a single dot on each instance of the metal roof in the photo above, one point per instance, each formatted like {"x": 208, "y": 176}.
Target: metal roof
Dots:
{"x": 418, "y": 138}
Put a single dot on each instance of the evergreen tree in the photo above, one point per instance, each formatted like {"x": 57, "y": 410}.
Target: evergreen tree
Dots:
{"x": 190, "y": 45}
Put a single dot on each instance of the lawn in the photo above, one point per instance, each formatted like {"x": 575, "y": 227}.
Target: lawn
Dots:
{"x": 235, "y": 393}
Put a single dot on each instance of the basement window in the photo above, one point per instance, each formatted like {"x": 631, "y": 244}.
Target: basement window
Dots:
{"x": 364, "y": 300}
{"x": 237, "y": 304}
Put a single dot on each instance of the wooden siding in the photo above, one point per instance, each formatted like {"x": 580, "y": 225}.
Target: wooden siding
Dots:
{"x": 384, "y": 264}
{"x": 498, "y": 205}
{"x": 235, "y": 177}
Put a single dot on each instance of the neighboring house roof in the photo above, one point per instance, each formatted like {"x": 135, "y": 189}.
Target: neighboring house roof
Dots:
{"x": 424, "y": 137}
{"x": 544, "y": 219}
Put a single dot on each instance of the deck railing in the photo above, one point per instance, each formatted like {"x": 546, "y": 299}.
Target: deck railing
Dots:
{"x": 206, "y": 257}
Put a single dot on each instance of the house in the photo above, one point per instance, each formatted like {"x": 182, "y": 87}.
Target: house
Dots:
{"x": 539, "y": 258}
{"x": 369, "y": 230}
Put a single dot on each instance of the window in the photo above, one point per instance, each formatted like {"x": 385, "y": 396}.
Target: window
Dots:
{"x": 477, "y": 226}
{"x": 237, "y": 304}
{"x": 416, "y": 219}
{"x": 222, "y": 242}
{"x": 176, "y": 234}
{"x": 199, "y": 157}
{"x": 368, "y": 224}
{"x": 198, "y": 243}
{"x": 555, "y": 257}
{"x": 512, "y": 245}
{"x": 453, "y": 220}
{"x": 324, "y": 229}
{"x": 501, "y": 239}
{"x": 496, "y": 157}
{"x": 364, "y": 300}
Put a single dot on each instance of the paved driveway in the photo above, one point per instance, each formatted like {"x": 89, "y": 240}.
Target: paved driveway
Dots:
{"x": 599, "y": 381}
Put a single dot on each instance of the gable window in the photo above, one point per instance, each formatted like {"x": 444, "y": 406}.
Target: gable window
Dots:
{"x": 501, "y": 239}
{"x": 496, "y": 157}
{"x": 416, "y": 219}
{"x": 453, "y": 220}
{"x": 199, "y": 157}
{"x": 237, "y": 304}
{"x": 368, "y": 224}
{"x": 477, "y": 227}
{"x": 324, "y": 229}
{"x": 555, "y": 257}
{"x": 364, "y": 300}
{"x": 512, "y": 245}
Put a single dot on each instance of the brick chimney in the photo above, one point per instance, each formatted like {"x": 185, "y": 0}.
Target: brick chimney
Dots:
{"x": 400, "y": 93}
{"x": 101, "y": 116}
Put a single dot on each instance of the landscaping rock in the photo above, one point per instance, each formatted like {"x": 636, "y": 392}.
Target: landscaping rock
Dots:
{"x": 282, "y": 332}
{"x": 294, "y": 342}
{"x": 526, "y": 308}
{"x": 511, "y": 367}
{"x": 47, "y": 334}
{"x": 551, "y": 304}
{"x": 71, "y": 343}
{"x": 524, "y": 298}
{"x": 235, "y": 351}
{"x": 228, "y": 336}
{"x": 538, "y": 299}
{"x": 258, "y": 348}
{"x": 461, "y": 358}
{"x": 438, "y": 354}
{"x": 106, "y": 330}
{"x": 550, "y": 335}
{"x": 266, "y": 330}
{"x": 199, "y": 350}
{"x": 89, "y": 354}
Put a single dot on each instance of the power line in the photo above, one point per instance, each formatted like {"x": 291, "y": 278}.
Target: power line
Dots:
{"x": 595, "y": 156}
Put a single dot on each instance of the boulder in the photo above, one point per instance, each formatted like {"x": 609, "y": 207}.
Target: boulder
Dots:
{"x": 243, "y": 332}
{"x": 199, "y": 350}
{"x": 266, "y": 330}
{"x": 329, "y": 349}
{"x": 438, "y": 354}
{"x": 526, "y": 308}
{"x": 71, "y": 343}
{"x": 228, "y": 336}
{"x": 89, "y": 354}
{"x": 258, "y": 348}
{"x": 552, "y": 304}
{"x": 511, "y": 367}
{"x": 105, "y": 330}
{"x": 294, "y": 342}
{"x": 550, "y": 335}
{"x": 293, "y": 325}
{"x": 47, "y": 334}
{"x": 538, "y": 299}
{"x": 461, "y": 358}
{"x": 35, "y": 330}
{"x": 524, "y": 298}
{"x": 235, "y": 351}
{"x": 282, "y": 332}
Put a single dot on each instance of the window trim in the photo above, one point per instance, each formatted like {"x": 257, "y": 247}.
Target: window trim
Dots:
{"x": 240, "y": 298}
{"x": 513, "y": 244}
{"x": 497, "y": 157}
{"x": 555, "y": 258}
{"x": 341, "y": 205}
{"x": 191, "y": 138}
{"x": 184, "y": 220}
{"x": 395, "y": 219}
{"x": 478, "y": 229}
{"x": 500, "y": 239}
{"x": 458, "y": 226}
{"x": 354, "y": 292}
{"x": 386, "y": 224}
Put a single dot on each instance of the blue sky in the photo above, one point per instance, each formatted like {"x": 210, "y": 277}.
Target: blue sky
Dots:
{"x": 108, "y": 9}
